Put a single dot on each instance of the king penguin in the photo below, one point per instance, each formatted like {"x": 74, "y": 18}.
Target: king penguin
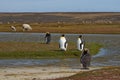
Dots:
{"x": 80, "y": 43}
{"x": 63, "y": 43}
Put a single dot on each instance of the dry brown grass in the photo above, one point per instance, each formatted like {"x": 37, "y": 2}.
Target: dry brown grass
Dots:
{"x": 109, "y": 73}
{"x": 71, "y": 22}
{"x": 66, "y": 28}
{"x": 83, "y": 15}
{"x": 26, "y": 46}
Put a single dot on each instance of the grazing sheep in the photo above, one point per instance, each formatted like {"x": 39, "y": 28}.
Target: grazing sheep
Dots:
{"x": 26, "y": 27}
{"x": 13, "y": 28}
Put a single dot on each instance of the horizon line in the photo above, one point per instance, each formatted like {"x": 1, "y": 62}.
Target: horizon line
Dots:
{"x": 69, "y": 12}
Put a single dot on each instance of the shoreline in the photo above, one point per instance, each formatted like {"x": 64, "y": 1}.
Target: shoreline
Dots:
{"x": 39, "y": 73}
{"x": 34, "y": 32}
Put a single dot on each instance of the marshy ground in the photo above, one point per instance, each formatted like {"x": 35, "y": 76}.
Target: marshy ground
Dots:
{"x": 81, "y": 23}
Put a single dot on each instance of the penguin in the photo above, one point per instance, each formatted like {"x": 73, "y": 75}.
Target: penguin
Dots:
{"x": 85, "y": 58}
{"x": 47, "y": 37}
{"x": 63, "y": 43}
{"x": 80, "y": 43}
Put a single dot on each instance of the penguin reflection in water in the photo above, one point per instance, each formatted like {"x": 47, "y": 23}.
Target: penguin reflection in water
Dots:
{"x": 63, "y": 43}
{"x": 80, "y": 43}
{"x": 85, "y": 59}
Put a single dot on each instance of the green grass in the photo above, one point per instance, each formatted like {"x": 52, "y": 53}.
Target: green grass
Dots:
{"x": 38, "y": 50}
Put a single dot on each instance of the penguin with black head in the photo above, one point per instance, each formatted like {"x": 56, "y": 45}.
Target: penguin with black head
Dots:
{"x": 80, "y": 43}
{"x": 63, "y": 43}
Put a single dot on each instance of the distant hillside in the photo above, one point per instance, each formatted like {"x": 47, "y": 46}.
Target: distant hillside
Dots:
{"x": 70, "y": 17}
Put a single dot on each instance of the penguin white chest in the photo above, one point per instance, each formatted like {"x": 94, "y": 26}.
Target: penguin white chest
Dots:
{"x": 63, "y": 44}
{"x": 80, "y": 44}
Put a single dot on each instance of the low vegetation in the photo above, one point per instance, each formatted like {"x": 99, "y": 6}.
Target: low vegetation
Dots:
{"x": 108, "y": 73}
{"x": 40, "y": 50}
{"x": 66, "y": 28}
{"x": 63, "y": 22}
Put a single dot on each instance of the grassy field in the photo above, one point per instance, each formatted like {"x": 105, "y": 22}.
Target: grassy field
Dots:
{"x": 66, "y": 28}
{"x": 63, "y": 22}
{"x": 40, "y": 50}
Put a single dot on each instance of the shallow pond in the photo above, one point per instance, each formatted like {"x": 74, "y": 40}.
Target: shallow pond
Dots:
{"x": 109, "y": 55}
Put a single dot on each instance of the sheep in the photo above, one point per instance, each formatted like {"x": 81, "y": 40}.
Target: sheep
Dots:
{"x": 13, "y": 28}
{"x": 26, "y": 27}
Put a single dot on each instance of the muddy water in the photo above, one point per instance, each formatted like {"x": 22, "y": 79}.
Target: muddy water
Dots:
{"x": 109, "y": 55}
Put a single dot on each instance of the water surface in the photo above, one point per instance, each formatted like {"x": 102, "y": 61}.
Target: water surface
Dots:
{"x": 109, "y": 55}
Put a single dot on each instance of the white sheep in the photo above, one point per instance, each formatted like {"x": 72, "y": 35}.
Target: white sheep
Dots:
{"x": 13, "y": 28}
{"x": 26, "y": 27}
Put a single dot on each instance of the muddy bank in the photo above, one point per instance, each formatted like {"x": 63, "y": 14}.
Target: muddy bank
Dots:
{"x": 38, "y": 73}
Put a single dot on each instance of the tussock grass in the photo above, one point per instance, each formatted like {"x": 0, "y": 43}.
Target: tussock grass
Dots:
{"x": 40, "y": 50}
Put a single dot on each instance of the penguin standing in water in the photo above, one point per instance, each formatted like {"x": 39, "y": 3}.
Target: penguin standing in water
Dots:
{"x": 80, "y": 43}
{"x": 63, "y": 43}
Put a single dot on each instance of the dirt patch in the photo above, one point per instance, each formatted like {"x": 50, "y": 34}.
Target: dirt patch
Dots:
{"x": 37, "y": 73}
